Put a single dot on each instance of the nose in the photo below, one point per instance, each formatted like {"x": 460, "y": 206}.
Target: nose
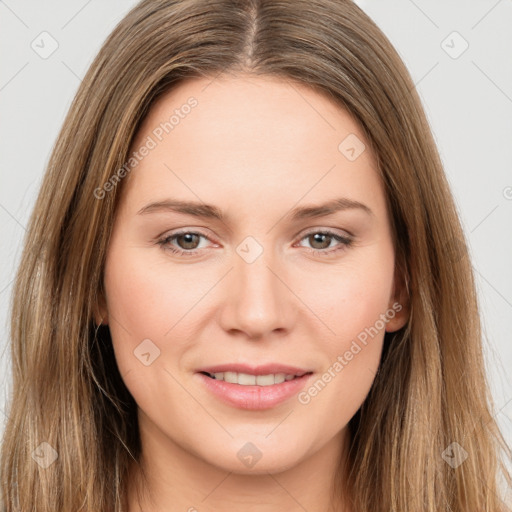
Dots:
{"x": 258, "y": 301}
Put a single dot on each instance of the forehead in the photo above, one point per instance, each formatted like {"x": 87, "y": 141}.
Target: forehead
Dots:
{"x": 243, "y": 111}
{"x": 256, "y": 138}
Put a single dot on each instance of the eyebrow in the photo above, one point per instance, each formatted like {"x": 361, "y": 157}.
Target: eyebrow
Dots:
{"x": 209, "y": 211}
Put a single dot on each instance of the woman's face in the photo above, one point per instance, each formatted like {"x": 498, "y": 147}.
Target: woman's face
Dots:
{"x": 252, "y": 242}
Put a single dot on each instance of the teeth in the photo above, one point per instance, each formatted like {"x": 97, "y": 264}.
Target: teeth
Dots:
{"x": 279, "y": 377}
{"x": 246, "y": 379}
{"x": 265, "y": 380}
{"x": 231, "y": 377}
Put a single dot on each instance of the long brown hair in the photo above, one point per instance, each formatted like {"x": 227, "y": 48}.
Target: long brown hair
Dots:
{"x": 430, "y": 391}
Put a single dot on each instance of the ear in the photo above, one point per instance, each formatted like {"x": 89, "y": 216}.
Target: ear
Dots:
{"x": 399, "y": 302}
{"x": 100, "y": 310}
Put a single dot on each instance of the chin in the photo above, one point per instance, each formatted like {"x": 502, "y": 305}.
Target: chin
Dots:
{"x": 253, "y": 455}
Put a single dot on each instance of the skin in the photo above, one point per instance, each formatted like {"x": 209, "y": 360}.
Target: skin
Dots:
{"x": 255, "y": 147}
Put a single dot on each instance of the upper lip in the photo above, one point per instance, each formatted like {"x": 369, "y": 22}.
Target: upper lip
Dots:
{"x": 264, "y": 369}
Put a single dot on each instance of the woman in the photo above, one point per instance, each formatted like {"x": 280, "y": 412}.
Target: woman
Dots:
{"x": 245, "y": 283}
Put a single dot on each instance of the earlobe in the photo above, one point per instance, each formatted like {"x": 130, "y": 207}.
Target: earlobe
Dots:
{"x": 100, "y": 311}
{"x": 400, "y": 318}
{"x": 399, "y": 308}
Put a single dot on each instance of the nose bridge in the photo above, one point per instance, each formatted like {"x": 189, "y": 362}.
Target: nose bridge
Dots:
{"x": 258, "y": 301}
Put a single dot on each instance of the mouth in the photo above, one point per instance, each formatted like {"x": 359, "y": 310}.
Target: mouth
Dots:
{"x": 254, "y": 388}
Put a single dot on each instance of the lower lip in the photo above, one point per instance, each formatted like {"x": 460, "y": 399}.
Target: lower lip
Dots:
{"x": 254, "y": 397}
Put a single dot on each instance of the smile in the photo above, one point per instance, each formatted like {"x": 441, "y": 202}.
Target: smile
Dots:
{"x": 255, "y": 388}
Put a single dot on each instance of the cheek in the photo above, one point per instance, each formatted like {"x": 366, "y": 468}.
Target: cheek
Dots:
{"x": 353, "y": 303}
{"x": 350, "y": 300}
{"x": 148, "y": 293}
{"x": 149, "y": 319}
{"x": 145, "y": 302}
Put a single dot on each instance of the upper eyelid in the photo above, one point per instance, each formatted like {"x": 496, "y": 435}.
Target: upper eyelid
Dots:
{"x": 308, "y": 231}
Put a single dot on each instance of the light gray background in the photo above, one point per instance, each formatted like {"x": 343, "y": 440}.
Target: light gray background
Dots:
{"x": 467, "y": 97}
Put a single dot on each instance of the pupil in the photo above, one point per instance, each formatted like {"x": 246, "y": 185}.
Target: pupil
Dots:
{"x": 317, "y": 238}
{"x": 189, "y": 239}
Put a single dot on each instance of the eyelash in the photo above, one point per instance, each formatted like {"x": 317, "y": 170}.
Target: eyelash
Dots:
{"x": 345, "y": 242}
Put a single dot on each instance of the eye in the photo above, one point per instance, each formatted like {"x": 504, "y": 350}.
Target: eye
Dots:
{"x": 321, "y": 240}
{"x": 187, "y": 242}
